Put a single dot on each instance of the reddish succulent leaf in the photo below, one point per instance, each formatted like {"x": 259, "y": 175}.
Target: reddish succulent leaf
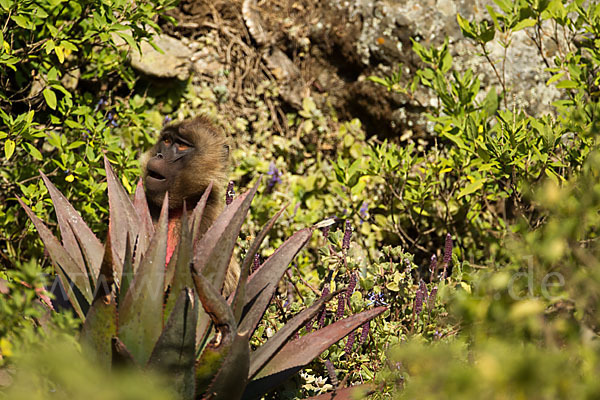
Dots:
{"x": 70, "y": 290}
{"x": 239, "y": 298}
{"x": 140, "y": 315}
{"x": 127, "y": 274}
{"x": 177, "y": 240}
{"x": 349, "y": 393}
{"x": 61, "y": 257}
{"x": 213, "y": 253}
{"x": 262, "y": 284}
{"x": 75, "y": 232}
{"x": 216, "y": 309}
{"x": 146, "y": 226}
{"x": 232, "y": 377}
{"x": 99, "y": 327}
{"x": 264, "y": 353}
{"x": 123, "y": 219}
{"x": 175, "y": 350}
{"x": 301, "y": 351}
{"x": 197, "y": 214}
{"x": 179, "y": 276}
{"x": 214, "y": 303}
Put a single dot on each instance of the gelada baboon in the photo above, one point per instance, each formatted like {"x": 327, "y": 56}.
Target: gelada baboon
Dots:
{"x": 186, "y": 158}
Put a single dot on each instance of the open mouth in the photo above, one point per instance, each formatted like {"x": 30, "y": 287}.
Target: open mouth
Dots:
{"x": 156, "y": 175}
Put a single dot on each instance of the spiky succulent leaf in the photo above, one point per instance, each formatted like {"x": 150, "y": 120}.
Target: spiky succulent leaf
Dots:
{"x": 127, "y": 275}
{"x": 231, "y": 379}
{"x": 100, "y": 323}
{"x": 349, "y": 393}
{"x": 215, "y": 305}
{"x": 197, "y": 214}
{"x": 124, "y": 221}
{"x": 264, "y": 353}
{"x": 140, "y": 204}
{"x": 300, "y": 352}
{"x": 239, "y": 298}
{"x": 175, "y": 351}
{"x": 262, "y": 284}
{"x": 226, "y": 349}
{"x": 140, "y": 315}
{"x": 179, "y": 276}
{"x": 69, "y": 270}
{"x": 213, "y": 253}
{"x": 76, "y": 236}
{"x": 99, "y": 327}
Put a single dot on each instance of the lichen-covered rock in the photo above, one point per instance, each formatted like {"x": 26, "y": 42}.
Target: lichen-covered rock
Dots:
{"x": 173, "y": 62}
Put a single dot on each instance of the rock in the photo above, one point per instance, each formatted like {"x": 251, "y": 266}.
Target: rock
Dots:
{"x": 174, "y": 62}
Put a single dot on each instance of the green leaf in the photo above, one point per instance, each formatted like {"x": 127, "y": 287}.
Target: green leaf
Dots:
{"x": 526, "y": 23}
{"x": 378, "y": 80}
{"x": 50, "y": 98}
{"x": 567, "y": 84}
{"x": 471, "y": 187}
{"x": 465, "y": 27}
{"x": 35, "y": 153}
{"x": 555, "y": 77}
{"x": 6, "y": 4}
{"x": 22, "y": 21}
{"x": 9, "y": 148}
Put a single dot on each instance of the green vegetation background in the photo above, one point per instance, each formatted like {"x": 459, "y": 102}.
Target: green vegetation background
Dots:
{"x": 518, "y": 195}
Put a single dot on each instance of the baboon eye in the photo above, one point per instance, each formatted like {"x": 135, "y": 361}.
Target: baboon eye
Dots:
{"x": 167, "y": 141}
{"x": 182, "y": 146}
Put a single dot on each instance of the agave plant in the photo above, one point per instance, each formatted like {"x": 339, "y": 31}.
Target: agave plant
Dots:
{"x": 138, "y": 310}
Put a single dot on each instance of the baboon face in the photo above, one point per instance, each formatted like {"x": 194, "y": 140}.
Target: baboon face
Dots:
{"x": 188, "y": 156}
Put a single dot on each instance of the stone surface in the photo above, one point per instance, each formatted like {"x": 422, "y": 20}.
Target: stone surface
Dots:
{"x": 173, "y": 62}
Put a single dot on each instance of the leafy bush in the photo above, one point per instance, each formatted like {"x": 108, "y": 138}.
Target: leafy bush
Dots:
{"x": 66, "y": 96}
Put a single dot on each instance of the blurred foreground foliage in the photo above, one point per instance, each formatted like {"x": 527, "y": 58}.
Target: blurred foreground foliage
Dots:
{"x": 517, "y": 314}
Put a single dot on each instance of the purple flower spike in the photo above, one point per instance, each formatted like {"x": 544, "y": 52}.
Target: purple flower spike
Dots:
{"x": 331, "y": 372}
{"x": 347, "y": 236}
{"x": 364, "y": 334}
{"x": 423, "y": 288}
{"x": 350, "y": 342}
{"x": 431, "y": 300}
{"x": 351, "y": 286}
{"x": 447, "y": 254}
{"x": 324, "y": 293}
{"x": 256, "y": 263}
{"x": 230, "y": 193}
{"x": 448, "y": 249}
{"x": 419, "y": 302}
{"x": 309, "y": 325}
{"x": 341, "y": 306}
{"x": 433, "y": 266}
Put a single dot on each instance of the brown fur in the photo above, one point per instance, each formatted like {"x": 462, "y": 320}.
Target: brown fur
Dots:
{"x": 209, "y": 161}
